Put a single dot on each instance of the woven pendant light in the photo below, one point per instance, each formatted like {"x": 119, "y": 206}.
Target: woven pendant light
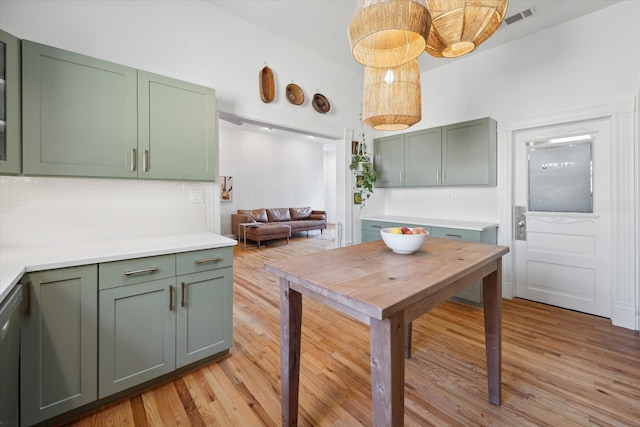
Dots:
{"x": 392, "y": 99}
{"x": 459, "y": 26}
{"x": 387, "y": 33}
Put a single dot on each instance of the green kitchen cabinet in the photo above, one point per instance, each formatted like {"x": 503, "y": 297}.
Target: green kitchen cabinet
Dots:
{"x": 472, "y": 293}
{"x": 137, "y": 322}
{"x": 469, "y": 153}
{"x": 83, "y": 116}
{"x": 388, "y": 161}
{"x": 10, "y": 113}
{"x": 204, "y": 311}
{"x": 59, "y": 342}
{"x": 176, "y": 129}
{"x": 458, "y": 154}
{"x": 371, "y": 229}
{"x": 158, "y": 314}
{"x": 422, "y": 157}
{"x": 79, "y": 114}
{"x": 137, "y": 334}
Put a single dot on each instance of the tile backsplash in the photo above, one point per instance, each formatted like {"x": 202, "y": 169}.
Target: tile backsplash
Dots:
{"x": 49, "y": 210}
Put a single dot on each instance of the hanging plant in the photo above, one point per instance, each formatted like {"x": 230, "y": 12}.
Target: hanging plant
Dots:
{"x": 363, "y": 172}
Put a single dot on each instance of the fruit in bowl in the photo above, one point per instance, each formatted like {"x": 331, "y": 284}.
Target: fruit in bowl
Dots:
{"x": 404, "y": 240}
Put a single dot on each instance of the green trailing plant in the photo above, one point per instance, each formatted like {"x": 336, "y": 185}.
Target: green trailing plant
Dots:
{"x": 363, "y": 172}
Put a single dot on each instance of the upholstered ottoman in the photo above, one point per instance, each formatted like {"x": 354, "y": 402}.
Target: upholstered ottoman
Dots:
{"x": 261, "y": 232}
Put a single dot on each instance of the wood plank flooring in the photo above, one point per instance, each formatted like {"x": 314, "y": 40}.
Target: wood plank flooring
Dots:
{"x": 559, "y": 368}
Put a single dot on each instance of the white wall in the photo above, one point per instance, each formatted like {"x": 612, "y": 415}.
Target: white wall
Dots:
{"x": 190, "y": 40}
{"x": 588, "y": 61}
{"x": 278, "y": 171}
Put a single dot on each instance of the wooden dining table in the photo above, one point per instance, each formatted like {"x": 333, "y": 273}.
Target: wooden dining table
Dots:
{"x": 386, "y": 291}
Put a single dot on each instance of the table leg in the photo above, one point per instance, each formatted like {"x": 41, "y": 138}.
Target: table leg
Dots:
{"x": 492, "y": 298}
{"x": 408, "y": 332}
{"x": 387, "y": 370}
{"x": 290, "y": 340}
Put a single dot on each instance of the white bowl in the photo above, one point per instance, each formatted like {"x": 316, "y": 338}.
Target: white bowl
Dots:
{"x": 403, "y": 243}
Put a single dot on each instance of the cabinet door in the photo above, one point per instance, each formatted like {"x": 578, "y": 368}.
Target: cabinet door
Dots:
{"x": 204, "y": 324}
{"x": 176, "y": 135}
{"x": 388, "y": 161}
{"x": 58, "y": 358}
{"x": 469, "y": 153}
{"x": 137, "y": 334}
{"x": 422, "y": 153}
{"x": 10, "y": 143}
{"x": 472, "y": 293}
{"x": 79, "y": 114}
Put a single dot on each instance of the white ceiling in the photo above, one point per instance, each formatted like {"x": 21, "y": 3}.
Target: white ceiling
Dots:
{"x": 321, "y": 25}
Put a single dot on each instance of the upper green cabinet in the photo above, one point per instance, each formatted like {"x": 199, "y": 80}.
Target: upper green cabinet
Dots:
{"x": 86, "y": 117}
{"x": 458, "y": 154}
{"x": 10, "y": 160}
{"x": 469, "y": 153}
{"x": 79, "y": 114}
{"x": 176, "y": 129}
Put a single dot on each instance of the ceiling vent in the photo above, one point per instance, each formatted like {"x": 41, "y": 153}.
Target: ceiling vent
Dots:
{"x": 516, "y": 17}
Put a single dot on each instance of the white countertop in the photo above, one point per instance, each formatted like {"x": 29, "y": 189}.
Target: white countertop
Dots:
{"x": 15, "y": 261}
{"x": 434, "y": 222}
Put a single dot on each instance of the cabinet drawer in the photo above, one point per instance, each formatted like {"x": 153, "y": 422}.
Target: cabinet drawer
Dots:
{"x": 208, "y": 259}
{"x": 376, "y": 226}
{"x": 455, "y": 234}
{"x": 138, "y": 270}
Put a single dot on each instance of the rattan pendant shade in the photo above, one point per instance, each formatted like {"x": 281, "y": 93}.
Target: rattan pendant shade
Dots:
{"x": 459, "y": 26}
{"x": 387, "y": 33}
{"x": 392, "y": 96}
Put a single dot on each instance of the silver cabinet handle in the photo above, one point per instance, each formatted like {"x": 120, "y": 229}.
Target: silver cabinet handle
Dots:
{"x": 376, "y": 226}
{"x": 207, "y": 260}
{"x": 443, "y": 176}
{"x": 400, "y": 177}
{"x": 143, "y": 271}
{"x": 453, "y": 235}
{"x": 184, "y": 285}
{"x": 437, "y": 175}
{"x": 145, "y": 161}
{"x": 132, "y": 160}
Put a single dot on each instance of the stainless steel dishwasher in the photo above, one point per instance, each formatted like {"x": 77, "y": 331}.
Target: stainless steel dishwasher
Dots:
{"x": 10, "y": 358}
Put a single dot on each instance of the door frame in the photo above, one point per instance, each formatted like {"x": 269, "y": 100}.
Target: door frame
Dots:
{"x": 625, "y": 200}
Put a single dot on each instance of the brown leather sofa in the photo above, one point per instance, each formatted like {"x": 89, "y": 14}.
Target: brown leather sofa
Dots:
{"x": 276, "y": 223}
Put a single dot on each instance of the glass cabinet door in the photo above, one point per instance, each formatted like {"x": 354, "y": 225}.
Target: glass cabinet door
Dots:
{"x": 10, "y": 162}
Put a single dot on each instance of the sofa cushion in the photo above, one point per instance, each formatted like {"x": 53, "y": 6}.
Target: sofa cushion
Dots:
{"x": 300, "y": 213}
{"x": 279, "y": 214}
{"x": 258, "y": 215}
{"x": 316, "y": 216}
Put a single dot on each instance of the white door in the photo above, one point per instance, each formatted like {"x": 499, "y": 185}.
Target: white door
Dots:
{"x": 562, "y": 216}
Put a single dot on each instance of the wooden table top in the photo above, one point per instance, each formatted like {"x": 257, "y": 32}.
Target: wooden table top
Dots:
{"x": 369, "y": 280}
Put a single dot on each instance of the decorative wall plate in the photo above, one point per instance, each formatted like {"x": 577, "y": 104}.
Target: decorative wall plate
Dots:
{"x": 294, "y": 94}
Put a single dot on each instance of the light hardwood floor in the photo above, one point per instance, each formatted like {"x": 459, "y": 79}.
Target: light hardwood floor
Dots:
{"x": 559, "y": 368}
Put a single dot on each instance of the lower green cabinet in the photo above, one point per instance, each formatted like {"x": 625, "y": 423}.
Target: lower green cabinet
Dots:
{"x": 137, "y": 334}
{"x": 59, "y": 342}
{"x": 182, "y": 313}
{"x": 92, "y": 331}
{"x": 204, "y": 315}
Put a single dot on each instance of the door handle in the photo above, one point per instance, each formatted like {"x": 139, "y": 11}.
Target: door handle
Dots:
{"x": 170, "y": 298}
{"x": 520, "y": 219}
{"x": 183, "y": 286}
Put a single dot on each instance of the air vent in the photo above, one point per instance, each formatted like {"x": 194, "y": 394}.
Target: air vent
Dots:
{"x": 527, "y": 13}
